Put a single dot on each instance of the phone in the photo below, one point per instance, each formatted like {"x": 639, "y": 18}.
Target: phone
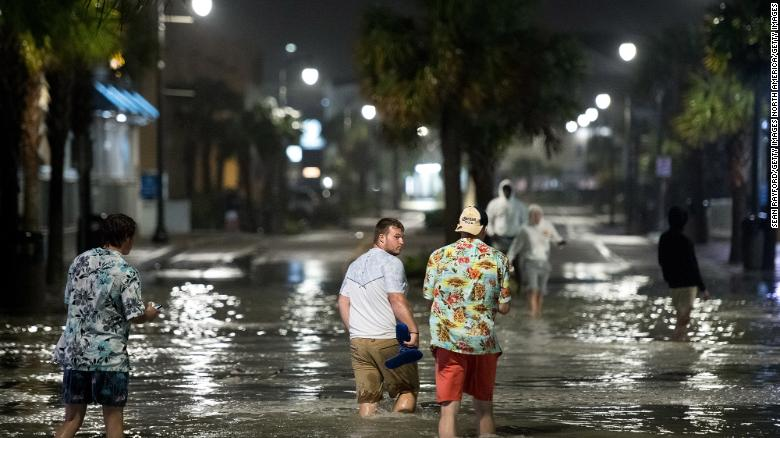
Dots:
{"x": 157, "y": 306}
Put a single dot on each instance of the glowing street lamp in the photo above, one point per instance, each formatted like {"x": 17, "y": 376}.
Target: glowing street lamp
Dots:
{"x": 627, "y": 51}
{"x": 368, "y": 112}
{"x": 603, "y": 101}
{"x": 310, "y": 76}
{"x": 592, "y": 114}
{"x": 571, "y": 126}
{"x": 202, "y": 7}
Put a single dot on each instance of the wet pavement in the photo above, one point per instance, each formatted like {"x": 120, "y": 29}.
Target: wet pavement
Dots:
{"x": 251, "y": 346}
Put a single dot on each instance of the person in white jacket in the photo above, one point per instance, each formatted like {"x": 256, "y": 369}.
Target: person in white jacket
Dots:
{"x": 532, "y": 247}
{"x": 506, "y": 214}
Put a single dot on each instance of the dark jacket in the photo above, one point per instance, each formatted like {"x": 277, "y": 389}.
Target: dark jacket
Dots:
{"x": 678, "y": 260}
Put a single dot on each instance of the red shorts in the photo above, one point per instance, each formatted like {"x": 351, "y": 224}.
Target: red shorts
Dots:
{"x": 457, "y": 373}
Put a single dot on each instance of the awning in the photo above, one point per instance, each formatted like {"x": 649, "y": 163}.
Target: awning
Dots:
{"x": 111, "y": 98}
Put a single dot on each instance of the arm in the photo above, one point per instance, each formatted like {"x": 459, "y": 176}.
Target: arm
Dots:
{"x": 150, "y": 313}
{"x": 344, "y": 311}
{"x": 504, "y": 295}
{"x": 517, "y": 246}
{"x": 132, "y": 302}
{"x": 403, "y": 313}
{"x": 556, "y": 237}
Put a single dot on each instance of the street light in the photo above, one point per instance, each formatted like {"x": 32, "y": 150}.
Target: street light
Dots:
{"x": 592, "y": 114}
{"x": 627, "y": 52}
{"x": 201, "y": 8}
{"x": 310, "y": 76}
{"x": 368, "y": 112}
{"x": 603, "y": 101}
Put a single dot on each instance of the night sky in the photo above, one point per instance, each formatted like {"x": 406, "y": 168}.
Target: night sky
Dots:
{"x": 243, "y": 40}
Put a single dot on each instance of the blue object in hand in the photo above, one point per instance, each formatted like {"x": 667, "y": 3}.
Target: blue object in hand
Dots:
{"x": 405, "y": 354}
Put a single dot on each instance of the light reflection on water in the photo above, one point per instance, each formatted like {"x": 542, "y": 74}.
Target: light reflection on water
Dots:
{"x": 268, "y": 357}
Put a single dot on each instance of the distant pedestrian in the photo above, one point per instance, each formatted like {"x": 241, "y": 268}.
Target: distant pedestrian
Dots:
{"x": 677, "y": 258}
{"x": 371, "y": 299}
{"x": 506, "y": 214}
{"x": 532, "y": 247}
{"x": 468, "y": 282}
{"x": 103, "y": 296}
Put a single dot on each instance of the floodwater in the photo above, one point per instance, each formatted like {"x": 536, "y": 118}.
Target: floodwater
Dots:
{"x": 266, "y": 356}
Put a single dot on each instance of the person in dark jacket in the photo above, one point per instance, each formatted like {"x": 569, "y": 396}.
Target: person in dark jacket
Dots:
{"x": 677, "y": 258}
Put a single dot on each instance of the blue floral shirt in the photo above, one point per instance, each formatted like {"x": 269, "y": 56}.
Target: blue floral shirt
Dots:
{"x": 102, "y": 294}
{"x": 466, "y": 281}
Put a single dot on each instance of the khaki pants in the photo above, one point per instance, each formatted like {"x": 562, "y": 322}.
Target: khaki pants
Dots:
{"x": 683, "y": 298}
{"x": 371, "y": 375}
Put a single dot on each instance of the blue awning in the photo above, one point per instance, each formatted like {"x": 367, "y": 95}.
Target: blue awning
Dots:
{"x": 128, "y": 102}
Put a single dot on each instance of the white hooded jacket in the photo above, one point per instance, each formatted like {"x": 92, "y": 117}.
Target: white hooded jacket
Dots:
{"x": 505, "y": 215}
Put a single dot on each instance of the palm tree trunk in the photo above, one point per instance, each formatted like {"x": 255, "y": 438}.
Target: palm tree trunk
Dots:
{"x": 396, "y": 178}
{"x": 245, "y": 162}
{"x": 189, "y": 163}
{"x": 698, "y": 213}
{"x": 81, "y": 119}
{"x": 453, "y": 197}
{"x": 58, "y": 122}
{"x": 738, "y": 184}
{"x": 31, "y": 139}
{"x": 12, "y": 95}
{"x": 483, "y": 171}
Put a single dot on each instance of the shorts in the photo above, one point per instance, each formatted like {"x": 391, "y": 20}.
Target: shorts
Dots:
{"x": 108, "y": 388}
{"x": 535, "y": 275}
{"x": 683, "y": 298}
{"x": 372, "y": 378}
{"x": 457, "y": 373}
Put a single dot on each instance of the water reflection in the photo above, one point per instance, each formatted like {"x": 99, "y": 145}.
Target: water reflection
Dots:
{"x": 267, "y": 356}
{"x": 310, "y": 313}
{"x": 199, "y": 319}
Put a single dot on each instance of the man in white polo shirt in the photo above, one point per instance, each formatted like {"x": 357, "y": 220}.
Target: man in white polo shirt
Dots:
{"x": 371, "y": 299}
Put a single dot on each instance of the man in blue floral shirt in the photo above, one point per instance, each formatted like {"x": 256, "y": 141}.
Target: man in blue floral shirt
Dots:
{"x": 103, "y": 295}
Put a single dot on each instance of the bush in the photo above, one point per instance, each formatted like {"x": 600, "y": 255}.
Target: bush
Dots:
{"x": 434, "y": 219}
{"x": 414, "y": 265}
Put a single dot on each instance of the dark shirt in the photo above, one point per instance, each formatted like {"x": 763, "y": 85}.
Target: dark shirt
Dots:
{"x": 678, "y": 260}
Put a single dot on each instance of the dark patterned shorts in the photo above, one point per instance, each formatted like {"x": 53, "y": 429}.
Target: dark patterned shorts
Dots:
{"x": 95, "y": 387}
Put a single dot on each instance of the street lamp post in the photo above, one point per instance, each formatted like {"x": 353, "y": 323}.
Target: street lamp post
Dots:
{"x": 160, "y": 233}
{"x": 627, "y": 52}
{"x": 309, "y": 75}
{"x": 368, "y": 112}
{"x": 201, "y": 8}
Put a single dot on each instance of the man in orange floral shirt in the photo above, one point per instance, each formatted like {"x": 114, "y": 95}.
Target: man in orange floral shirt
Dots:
{"x": 468, "y": 282}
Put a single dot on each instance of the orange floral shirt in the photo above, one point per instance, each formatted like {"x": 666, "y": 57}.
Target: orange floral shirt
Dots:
{"x": 466, "y": 281}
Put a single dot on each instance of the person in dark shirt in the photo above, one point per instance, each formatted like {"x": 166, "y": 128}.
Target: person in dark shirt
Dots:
{"x": 677, "y": 258}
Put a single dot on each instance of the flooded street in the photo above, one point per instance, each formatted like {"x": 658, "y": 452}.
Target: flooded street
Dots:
{"x": 265, "y": 355}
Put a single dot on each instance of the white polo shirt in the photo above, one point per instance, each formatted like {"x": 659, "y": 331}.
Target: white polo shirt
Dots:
{"x": 368, "y": 281}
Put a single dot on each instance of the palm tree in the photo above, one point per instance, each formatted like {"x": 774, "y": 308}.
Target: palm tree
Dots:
{"x": 83, "y": 37}
{"x": 718, "y": 108}
{"x": 738, "y": 43}
{"x": 270, "y": 130}
{"x": 478, "y": 71}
